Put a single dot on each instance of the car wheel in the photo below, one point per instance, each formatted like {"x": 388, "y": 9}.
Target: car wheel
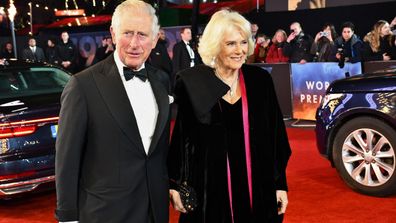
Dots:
{"x": 364, "y": 156}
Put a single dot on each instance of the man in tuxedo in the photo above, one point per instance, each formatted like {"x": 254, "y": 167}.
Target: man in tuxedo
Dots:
{"x": 33, "y": 52}
{"x": 184, "y": 55}
{"x": 113, "y": 131}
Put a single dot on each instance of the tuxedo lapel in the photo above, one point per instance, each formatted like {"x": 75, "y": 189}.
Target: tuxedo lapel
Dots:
{"x": 114, "y": 94}
{"x": 161, "y": 96}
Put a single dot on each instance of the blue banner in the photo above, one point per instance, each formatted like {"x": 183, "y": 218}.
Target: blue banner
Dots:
{"x": 309, "y": 84}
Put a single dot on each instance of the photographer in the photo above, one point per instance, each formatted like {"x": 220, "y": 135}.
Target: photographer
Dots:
{"x": 347, "y": 47}
{"x": 323, "y": 43}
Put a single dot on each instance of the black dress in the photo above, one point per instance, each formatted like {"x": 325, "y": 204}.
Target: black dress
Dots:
{"x": 208, "y": 130}
{"x": 232, "y": 117}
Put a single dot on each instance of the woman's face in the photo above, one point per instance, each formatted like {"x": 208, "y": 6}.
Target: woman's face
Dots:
{"x": 347, "y": 33}
{"x": 385, "y": 30}
{"x": 279, "y": 37}
{"x": 233, "y": 50}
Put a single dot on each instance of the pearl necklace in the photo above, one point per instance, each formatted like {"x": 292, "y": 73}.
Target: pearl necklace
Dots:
{"x": 232, "y": 88}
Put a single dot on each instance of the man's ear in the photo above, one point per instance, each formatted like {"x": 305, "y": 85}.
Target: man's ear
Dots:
{"x": 113, "y": 35}
{"x": 155, "y": 40}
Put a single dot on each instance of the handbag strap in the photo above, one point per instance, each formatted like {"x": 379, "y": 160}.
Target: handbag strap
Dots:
{"x": 245, "y": 117}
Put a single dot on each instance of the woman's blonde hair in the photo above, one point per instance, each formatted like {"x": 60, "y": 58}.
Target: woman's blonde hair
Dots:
{"x": 222, "y": 22}
{"x": 373, "y": 37}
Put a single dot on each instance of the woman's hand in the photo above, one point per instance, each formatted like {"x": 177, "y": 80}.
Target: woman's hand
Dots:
{"x": 281, "y": 198}
{"x": 176, "y": 201}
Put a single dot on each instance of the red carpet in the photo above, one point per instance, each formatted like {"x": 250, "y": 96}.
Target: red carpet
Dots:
{"x": 316, "y": 194}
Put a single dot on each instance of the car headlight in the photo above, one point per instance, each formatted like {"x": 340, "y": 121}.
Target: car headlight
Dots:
{"x": 329, "y": 97}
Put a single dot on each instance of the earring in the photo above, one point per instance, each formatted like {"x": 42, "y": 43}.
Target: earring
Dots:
{"x": 213, "y": 62}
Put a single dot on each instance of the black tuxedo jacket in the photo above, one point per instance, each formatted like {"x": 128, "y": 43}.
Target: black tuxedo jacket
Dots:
{"x": 27, "y": 54}
{"x": 102, "y": 171}
{"x": 181, "y": 58}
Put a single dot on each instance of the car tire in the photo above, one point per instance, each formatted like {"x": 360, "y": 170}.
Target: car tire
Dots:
{"x": 364, "y": 167}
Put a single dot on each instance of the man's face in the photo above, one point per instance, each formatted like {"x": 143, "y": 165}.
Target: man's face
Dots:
{"x": 186, "y": 35}
{"x": 9, "y": 46}
{"x": 32, "y": 42}
{"x": 295, "y": 28}
{"x": 162, "y": 35}
{"x": 347, "y": 33}
{"x": 109, "y": 41}
{"x": 134, "y": 38}
{"x": 254, "y": 28}
{"x": 65, "y": 37}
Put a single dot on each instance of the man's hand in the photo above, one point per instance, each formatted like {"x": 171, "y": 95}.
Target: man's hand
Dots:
{"x": 281, "y": 198}
{"x": 176, "y": 201}
{"x": 291, "y": 37}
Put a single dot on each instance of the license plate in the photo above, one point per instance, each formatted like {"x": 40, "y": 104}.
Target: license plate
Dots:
{"x": 54, "y": 130}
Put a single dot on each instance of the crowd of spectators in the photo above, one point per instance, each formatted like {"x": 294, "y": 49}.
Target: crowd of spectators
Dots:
{"x": 379, "y": 44}
{"x": 327, "y": 46}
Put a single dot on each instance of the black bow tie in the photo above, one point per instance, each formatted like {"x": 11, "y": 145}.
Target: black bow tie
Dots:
{"x": 129, "y": 74}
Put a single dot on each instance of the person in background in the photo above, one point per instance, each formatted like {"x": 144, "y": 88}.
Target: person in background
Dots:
{"x": 379, "y": 43}
{"x": 254, "y": 30}
{"x": 393, "y": 26}
{"x": 113, "y": 134}
{"x": 348, "y": 46}
{"x": 33, "y": 52}
{"x": 229, "y": 141}
{"x": 162, "y": 37}
{"x": 298, "y": 45}
{"x": 260, "y": 49}
{"x": 105, "y": 50}
{"x": 184, "y": 55}
{"x": 275, "y": 52}
{"x": 7, "y": 52}
{"x": 67, "y": 53}
{"x": 51, "y": 52}
{"x": 323, "y": 43}
{"x": 159, "y": 56}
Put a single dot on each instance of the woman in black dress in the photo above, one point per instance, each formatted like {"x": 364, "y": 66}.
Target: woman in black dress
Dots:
{"x": 229, "y": 141}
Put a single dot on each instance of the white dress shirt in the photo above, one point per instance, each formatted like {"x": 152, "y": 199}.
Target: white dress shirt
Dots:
{"x": 33, "y": 49}
{"x": 143, "y": 103}
{"x": 190, "y": 52}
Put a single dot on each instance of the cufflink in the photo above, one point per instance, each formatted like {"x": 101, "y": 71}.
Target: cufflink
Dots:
{"x": 171, "y": 99}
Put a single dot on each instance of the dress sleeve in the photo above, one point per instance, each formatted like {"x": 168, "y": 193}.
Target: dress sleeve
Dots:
{"x": 181, "y": 146}
{"x": 282, "y": 147}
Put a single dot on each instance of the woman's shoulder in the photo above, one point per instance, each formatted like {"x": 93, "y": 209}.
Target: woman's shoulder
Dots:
{"x": 256, "y": 75}
{"x": 254, "y": 71}
{"x": 194, "y": 73}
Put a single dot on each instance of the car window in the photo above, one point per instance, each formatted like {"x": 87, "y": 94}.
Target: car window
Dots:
{"x": 31, "y": 81}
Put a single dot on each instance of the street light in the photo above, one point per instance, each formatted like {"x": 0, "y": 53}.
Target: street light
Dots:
{"x": 11, "y": 14}
{"x": 31, "y": 18}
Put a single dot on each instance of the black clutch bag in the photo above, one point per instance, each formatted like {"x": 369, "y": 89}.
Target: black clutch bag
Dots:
{"x": 188, "y": 196}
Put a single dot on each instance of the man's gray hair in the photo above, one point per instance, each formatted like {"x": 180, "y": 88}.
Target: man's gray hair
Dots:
{"x": 126, "y": 6}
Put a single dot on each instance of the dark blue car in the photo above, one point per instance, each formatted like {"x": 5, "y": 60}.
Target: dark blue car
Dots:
{"x": 29, "y": 110}
{"x": 356, "y": 131}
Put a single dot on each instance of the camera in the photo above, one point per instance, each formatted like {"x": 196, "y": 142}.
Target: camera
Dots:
{"x": 323, "y": 33}
{"x": 341, "y": 62}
